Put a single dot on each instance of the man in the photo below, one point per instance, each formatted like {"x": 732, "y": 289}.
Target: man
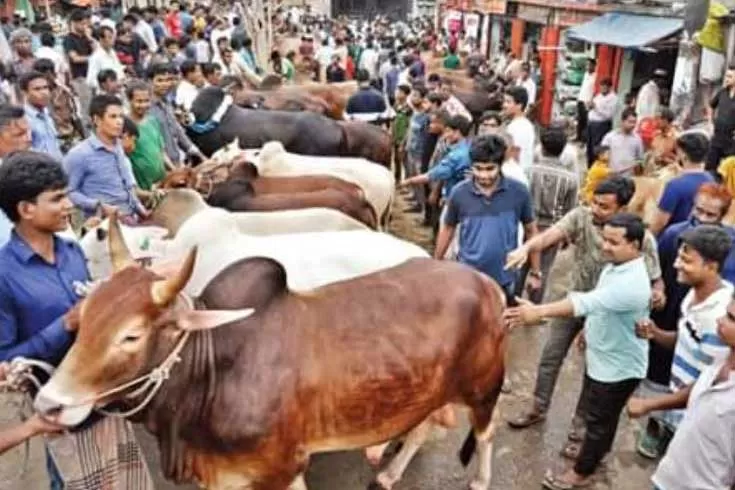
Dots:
{"x": 451, "y": 169}
{"x": 21, "y": 40}
{"x": 48, "y": 51}
{"x": 601, "y": 111}
{"x": 581, "y": 227}
{"x": 44, "y": 138}
{"x": 452, "y": 61}
{"x": 616, "y": 359}
{"x": 554, "y": 190}
{"x": 15, "y": 135}
{"x": 173, "y": 21}
{"x": 451, "y": 103}
{"x": 148, "y": 158}
{"x": 525, "y": 81}
{"x": 192, "y": 80}
{"x": 649, "y": 96}
{"x": 104, "y": 58}
{"x": 722, "y": 118}
{"x": 489, "y": 207}
{"x": 161, "y": 77}
{"x": 520, "y": 128}
{"x": 626, "y": 147}
{"x": 663, "y": 146}
{"x": 369, "y": 60}
{"x": 584, "y": 98}
{"x": 675, "y": 204}
{"x": 142, "y": 28}
{"x": 171, "y": 52}
{"x": 399, "y": 128}
{"x": 100, "y": 180}
{"x": 367, "y": 104}
{"x": 78, "y": 47}
{"x": 700, "y": 454}
{"x": 212, "y": 73}
{"x": 695, "y": 343}
{"x": 335, "y": 72}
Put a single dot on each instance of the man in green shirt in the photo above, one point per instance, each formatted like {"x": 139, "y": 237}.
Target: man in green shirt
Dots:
{"x": 452, "y": 61}
{"x": 148, "y": 158}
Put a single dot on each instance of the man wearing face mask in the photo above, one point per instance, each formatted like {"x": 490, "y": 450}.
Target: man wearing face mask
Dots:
{"x": 488, "y": 206}
{"x": 582, "y": 226}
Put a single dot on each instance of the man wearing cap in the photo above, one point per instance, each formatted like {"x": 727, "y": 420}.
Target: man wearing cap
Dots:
{"x": 649, "y": 97}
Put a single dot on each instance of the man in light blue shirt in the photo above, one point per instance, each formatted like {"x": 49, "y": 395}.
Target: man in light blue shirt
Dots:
{"x": 37, "y": 96}
{"x": 15, "y": 135}
{"x": 617, "y": 359}
{"x": 100, "y": 176}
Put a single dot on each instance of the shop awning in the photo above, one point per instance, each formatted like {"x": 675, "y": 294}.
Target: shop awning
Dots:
{"x": 626, "y": 30}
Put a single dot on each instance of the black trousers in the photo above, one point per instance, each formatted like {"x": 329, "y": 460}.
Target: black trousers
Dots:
{"x": 582, "y": 114}
{"x": 596, "y": 130}
{"x": 719, "y": 148}
{"x": 605, "y": 403}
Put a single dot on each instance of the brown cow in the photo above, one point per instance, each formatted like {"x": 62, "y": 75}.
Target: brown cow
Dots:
{"x": 248, "y": 396}
{"x": 240, "y": 195}
{"x": 274, "y": 100}
{"x": 368, "y": 141}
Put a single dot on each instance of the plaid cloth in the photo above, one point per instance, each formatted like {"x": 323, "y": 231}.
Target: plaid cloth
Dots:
{"x": 105, "y": 456}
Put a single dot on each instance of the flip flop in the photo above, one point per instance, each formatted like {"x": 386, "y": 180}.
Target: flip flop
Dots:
{"x": 552, "y": 482}
{"x": 527, "y": 420}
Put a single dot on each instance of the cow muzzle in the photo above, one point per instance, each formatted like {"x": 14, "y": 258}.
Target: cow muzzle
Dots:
{"x": 60, "y": 409}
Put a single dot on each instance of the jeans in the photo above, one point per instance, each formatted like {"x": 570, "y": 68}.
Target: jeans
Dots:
{"x": 605, "y": 403}
{"x": 57, "y": 483}
{"x": 562, "y": 332}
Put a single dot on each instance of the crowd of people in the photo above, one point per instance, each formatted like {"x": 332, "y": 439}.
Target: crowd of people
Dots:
{"x": 653, "y": 307}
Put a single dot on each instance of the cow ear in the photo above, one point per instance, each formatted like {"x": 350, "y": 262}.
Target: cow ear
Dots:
{"x": 192, "y": 320}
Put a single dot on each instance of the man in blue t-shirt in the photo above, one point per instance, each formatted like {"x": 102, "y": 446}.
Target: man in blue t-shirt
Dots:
{"x": 677, "y": 199}
{"x": 489, "y": 207}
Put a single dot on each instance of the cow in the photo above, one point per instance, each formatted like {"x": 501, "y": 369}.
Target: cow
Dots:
{"x": 240, "y": 195}
{"x": 367, "y": 141}
{"x": 377, "y": 182}
{"x": 243, "y": 398}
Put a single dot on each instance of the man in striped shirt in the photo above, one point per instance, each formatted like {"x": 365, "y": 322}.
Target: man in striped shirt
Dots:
{"x": 696, "y": 343}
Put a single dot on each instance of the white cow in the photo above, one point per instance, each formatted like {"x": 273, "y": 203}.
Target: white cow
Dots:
{"x": 376, "y": 181}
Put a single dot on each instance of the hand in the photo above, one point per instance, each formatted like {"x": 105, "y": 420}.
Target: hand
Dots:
{"x": 524, "y": 314}
{"x": 658, "y": 299}
{"x": 637, "y": 407}
{"x": 71, "y": 319}
{"x": 581, "y": 341}
{"x": 108, "y": 210}
{"x": 516, "y": 258}
{"x": 37, "y": 424}
{"x": 405, "y": 183}
{"x": 645, "y": 329}
{"x": 4, "y": 370}
{"x": 533, "y": 283}
{"x": 433, "y": 199}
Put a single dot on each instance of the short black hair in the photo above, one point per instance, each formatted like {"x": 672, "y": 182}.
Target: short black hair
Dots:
{"x": 634, "y": 227}
{"x": 210, "y": 68}
{"x": 406, "y": 89}
{"x": 129, "y": 127}
{"x": 48, "y": 40}
{"x": 362, "y": 75}
{"x": 157, "y": 69}
{"x": 519, "y": 96}
{"x": 102, "y": 29}
{"x": 622, "y": 187}
{"x": 459, "y": 123}
{"x": 26, "y": 79}
{"x": 99, "y": 104}
{"x": 712, "y": 242}
{"x": 170, "y": 41}
{"x": 25, "y": 175}
{"x": 695, "y": 146}
{"x": 607, "y": 81}
{"x": 136, "y": 86}
{"x": 553, "y": 141}
{"x": 187, "y": 67}
{"x": 628, "y": 112}
{"x": 106, "y": 76}
{"x": 434, "y": 78}
{"x": 435, "y": 98}
{"x": 44, "y": 65}
{"x": 10, "y": 113}
{"x": 667, "y": 114}
{"x": 421, "y": 90}
{"x": 488, "y": 148}
{"x": 442, "y": 115}
{"x": 78, "y": 15}
{"x": 487, "y": 115}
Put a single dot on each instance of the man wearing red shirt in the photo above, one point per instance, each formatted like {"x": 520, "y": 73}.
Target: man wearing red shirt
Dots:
{"x": 173, "y": 21}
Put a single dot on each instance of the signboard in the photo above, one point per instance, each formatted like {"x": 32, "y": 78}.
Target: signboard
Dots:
{"x": 570, "y": 17}
{"x": 472, "y": 25}
{"x": 497, "y": 7}
{"x": 534, "y": 13}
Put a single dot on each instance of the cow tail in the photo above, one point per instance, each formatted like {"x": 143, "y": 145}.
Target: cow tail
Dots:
{"x": 468, "y": 448}
{"x": 344, "y": 143}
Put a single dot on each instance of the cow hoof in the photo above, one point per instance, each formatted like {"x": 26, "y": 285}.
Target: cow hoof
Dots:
{"x": 479, "y": 485}
{"x": 383, "y": 481}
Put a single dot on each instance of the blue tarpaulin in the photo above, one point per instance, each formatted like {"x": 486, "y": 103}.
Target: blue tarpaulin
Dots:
{"x": 626, "y": 30}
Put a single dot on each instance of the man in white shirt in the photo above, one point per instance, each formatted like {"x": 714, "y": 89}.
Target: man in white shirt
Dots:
{"x": 369, "y": 60}
{"x": 649, "y": 97}
{"x": 192, "y": 80}
{"x": 104, "y": 58}
{"x": 600, "y": 117}
{"x": 584, "y": 98}
{"x": 451, "y": 103}
{"x": 142, "y": 29}
{"x": 48, "y": 51}
{"x": 525, "y": 81}
{"x": 520, "y": 128}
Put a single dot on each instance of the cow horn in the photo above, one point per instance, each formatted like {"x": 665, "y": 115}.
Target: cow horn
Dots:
{"x": 164, "y": 291}
{"x": 119, "y": 252}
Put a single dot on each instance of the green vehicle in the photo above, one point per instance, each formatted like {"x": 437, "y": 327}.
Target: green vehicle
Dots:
{"x": 576, "y": 66}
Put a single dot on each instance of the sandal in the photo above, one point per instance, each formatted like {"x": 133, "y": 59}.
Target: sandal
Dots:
{"x": 527, "y": 420}
{"x": 571, "y": 450}
{"x": 552, "y": 482}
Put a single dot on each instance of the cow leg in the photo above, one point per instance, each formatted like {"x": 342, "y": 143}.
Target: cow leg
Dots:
{"x": 374, "y": 454}
{"x": 484, "y": 431}
{"x": 414, "y": 440}
{"x": 299, "y": 483}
